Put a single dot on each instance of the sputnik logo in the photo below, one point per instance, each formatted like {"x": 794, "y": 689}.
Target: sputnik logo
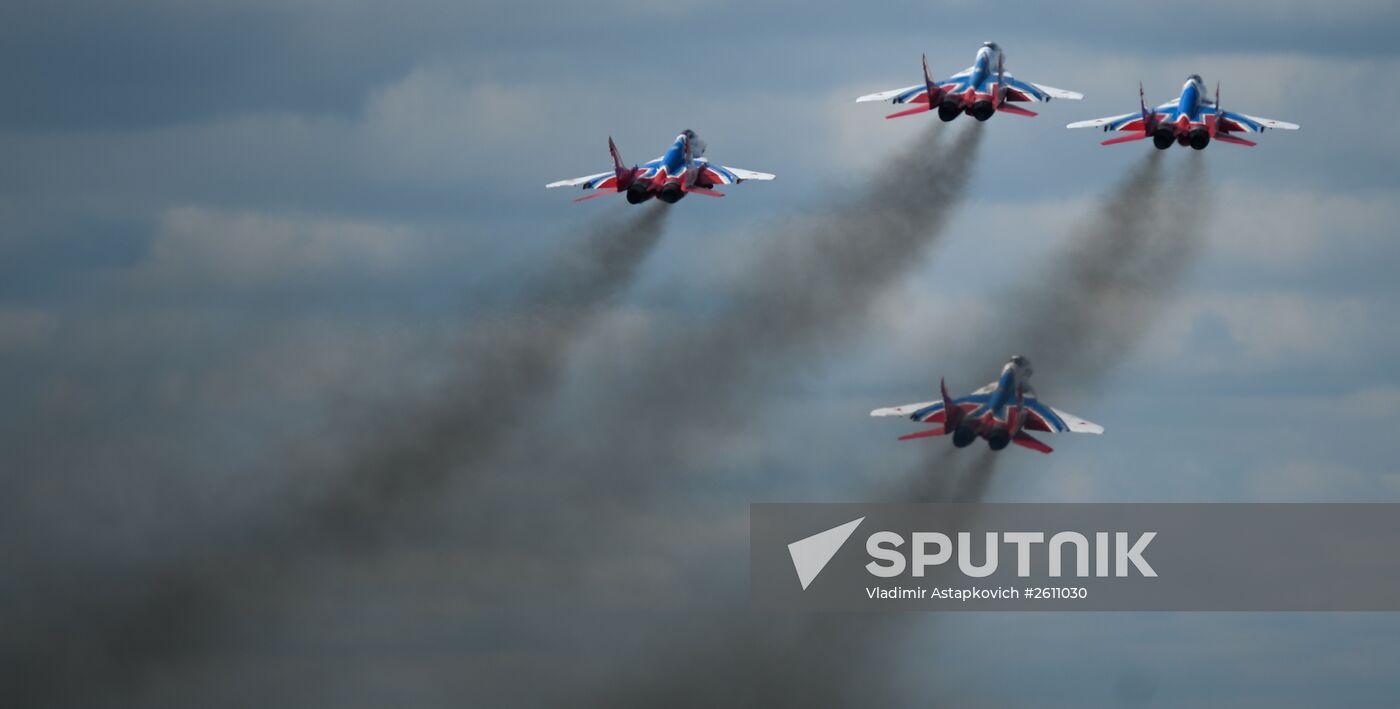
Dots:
{"x": 811, "y": 554}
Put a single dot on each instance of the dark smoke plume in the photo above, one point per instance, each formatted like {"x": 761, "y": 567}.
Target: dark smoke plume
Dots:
{"x": 810, "y": 289}
{"x": 807, "y": 288}
{"x": 103, "y": 641}
{"x": 1083, "y": 313}
{"x": 512, "y": 362}
{"x": 114, "y": 643}
{"x": 1091, "y": 305}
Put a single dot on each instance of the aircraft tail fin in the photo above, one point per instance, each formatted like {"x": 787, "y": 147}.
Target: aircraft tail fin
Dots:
{"x": 928, "y": 81}
{"x": 624, "y": 173}
{"x": 1142, "y": 104}
{"x": 952, "y": 413}
{"x": 1213, "y": 120}
{"x": 1001, "y": 85}
{"x": 1013, "y": 417}
{"x": 1213, "y": 124}
{"x": 616, "y": 156}
{"x": 1149, "y": 118}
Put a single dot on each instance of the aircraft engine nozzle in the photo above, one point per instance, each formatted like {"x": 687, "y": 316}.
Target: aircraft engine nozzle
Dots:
{"x": 998, "y": 439}
{"x": 964, "y": 436}
{"x": 1199, "y": 138}
{"x": 638, "y": 193}
{"x": 1163, "y": 138}
{"x": 982, "y": 110}
{"x": 671, "y": 193}
{"x": 948, "y": 110}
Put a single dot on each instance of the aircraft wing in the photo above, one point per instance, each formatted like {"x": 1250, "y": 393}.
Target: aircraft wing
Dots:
{"x": 1018, "y": 90}
{"x": 588, "y": 181}
{"x": 1041, "y": 417}
{"x": 910, "y": 94}
{"x": 1109, "y": 122}
{"x": 1242, "y": 123}
{"x": 725, "y": 175}
{"x": 1126, "y": 121}
{"x": 907, "y": 92}
{"x": 906, "y": 409}
{"x": 930, "y": 411}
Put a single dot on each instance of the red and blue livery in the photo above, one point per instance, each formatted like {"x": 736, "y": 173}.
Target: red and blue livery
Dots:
{"x": 1192, "y": 119}
{"x": 1003, "y": 412}
{"x": 980, "y": 91}
{"x": 682, "y": 170}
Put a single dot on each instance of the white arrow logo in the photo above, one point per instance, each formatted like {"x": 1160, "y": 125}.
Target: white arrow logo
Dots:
{"x": 810, "y": 555}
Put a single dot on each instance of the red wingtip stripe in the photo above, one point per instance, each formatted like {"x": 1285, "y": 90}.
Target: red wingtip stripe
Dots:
{"x": 703, "y": 191}
{"x": 1025, "y": 440}
{"x": 1015, "y": 110}
{"x": 596, "y": 196}
{"x": 912, "y": 111}
{"x": 1237, "y": 141}
{"x": 1124, "y": 139}
{"x": 922, "y": 434}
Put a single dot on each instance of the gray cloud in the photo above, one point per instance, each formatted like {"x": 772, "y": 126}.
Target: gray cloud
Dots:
{"x": 159, "y": 62}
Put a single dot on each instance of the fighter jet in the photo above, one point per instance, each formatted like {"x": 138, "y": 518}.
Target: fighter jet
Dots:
{"x": 681, "y": 171}
{"x": 979, "y": 90}
{"x": 1001, "y": 412}
{"x": 1190, "y": 119}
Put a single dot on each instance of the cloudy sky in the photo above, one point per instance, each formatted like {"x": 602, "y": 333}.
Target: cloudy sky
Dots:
{"x": 235, "y": 236}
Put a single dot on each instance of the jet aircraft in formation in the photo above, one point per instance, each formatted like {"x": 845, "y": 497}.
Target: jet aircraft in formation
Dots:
{"x": 1007, "y": 410}
{"x": 980, "y": 90}
{"x": 1190, "y": 119}
{"x": 680, "y": 171}
{"x": 1002, "y": 412}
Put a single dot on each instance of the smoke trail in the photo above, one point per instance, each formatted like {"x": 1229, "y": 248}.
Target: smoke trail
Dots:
{"x": 105, "y": 641}
{"x": 809, "y": 286}
{"x": 1094, "y": 302}
{"x": 1083, "y": 313}
{"x": 854, "y": 248}
{"x": 511, "y": 364}
{"x": 948, "y": 474}
{"x": 1091, "y": 305}
{"x": 1089, "y": 309}
{"x": 1086, "y": 311}
{"x": 810, "y": 283}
